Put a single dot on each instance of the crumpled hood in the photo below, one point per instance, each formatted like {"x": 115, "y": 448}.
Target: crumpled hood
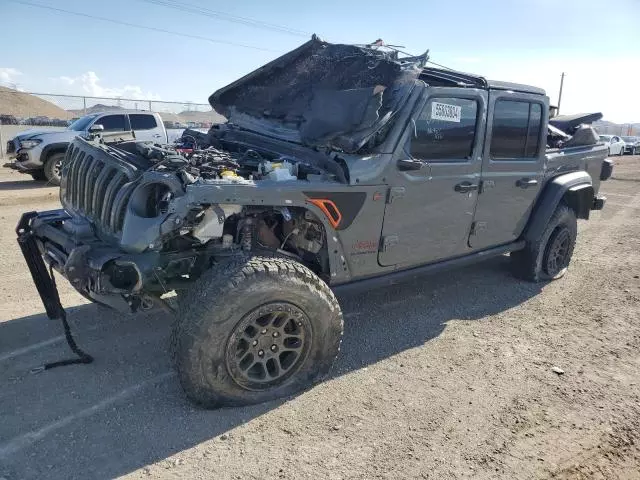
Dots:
{"x": 321, "y": 94}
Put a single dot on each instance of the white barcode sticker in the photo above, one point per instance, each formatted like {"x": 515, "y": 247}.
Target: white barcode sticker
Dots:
{"x": 446, "y": 112}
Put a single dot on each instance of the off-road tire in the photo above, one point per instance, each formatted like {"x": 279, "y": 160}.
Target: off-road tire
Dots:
{"x": 38, "y": 176}
{"x": 220, "y": 302}
{"x": 51, "y": 172}
{"x": 531, "y": 262}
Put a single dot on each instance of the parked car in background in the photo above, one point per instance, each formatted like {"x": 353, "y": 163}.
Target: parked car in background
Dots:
{"x": 631, "y": 145}
{"x": 614, "y": 143}
{"x": 39, "y": 152}
{"x": 8, "y": 120}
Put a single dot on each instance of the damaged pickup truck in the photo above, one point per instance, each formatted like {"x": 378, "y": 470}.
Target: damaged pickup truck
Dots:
{"x": 341, "y": 167}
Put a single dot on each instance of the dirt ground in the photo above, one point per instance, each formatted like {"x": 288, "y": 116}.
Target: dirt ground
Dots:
{"x": 450, "y": 377}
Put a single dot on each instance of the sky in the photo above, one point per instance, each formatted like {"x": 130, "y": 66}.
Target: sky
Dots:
{"x": 596, "y": 43}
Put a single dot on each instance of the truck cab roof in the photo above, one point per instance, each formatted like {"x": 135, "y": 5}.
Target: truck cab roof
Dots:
{"x": 450, "y": 78}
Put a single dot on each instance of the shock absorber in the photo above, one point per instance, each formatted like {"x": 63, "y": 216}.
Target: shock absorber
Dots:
{"x": 247, "y": 234}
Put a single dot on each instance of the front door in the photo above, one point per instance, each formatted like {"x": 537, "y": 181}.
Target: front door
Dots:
{"x": 429, "y": 210}
{"x": 512, "y": 168}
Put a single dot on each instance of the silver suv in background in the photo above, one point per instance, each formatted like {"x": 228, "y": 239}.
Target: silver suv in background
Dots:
{"x": 39, "y": 152}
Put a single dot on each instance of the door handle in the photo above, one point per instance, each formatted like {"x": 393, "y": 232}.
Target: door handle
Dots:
{"x": 465, "y": 187}
{"x": 157, "y": 135}
{"x": 526, "y": 182}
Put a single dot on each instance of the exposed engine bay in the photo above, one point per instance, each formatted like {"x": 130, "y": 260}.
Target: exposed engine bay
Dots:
{"x": 171, "y": 203}
{"x": 196, "y": 155}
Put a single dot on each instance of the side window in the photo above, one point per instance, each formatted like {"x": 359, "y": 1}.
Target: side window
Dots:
{"x": 533, "y": 136}
{"x": 112, "y": 123}
{"x": 445, "y": 129}
{"x": 140, "y": 121}
{"x": 516, "y": 130}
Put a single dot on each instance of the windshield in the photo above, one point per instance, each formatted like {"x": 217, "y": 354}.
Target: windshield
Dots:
{"x": 629, "y": 139}
{"x": 82, "y": 123}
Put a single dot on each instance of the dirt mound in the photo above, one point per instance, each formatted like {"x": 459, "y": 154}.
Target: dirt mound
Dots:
{"x": 19, "y": 104}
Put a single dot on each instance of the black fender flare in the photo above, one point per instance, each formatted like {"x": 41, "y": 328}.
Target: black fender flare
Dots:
{"x": 52, "y": 148}
{"x": 576, "y": 188}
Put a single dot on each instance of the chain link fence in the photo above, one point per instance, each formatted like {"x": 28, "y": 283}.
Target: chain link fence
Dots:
{"x": 21, "y": 111}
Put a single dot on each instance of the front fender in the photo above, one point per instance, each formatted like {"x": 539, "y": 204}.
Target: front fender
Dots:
{"x": 58, "y": 147}
{"x": 575, "y": 188}
{"x": 335, "y": 205}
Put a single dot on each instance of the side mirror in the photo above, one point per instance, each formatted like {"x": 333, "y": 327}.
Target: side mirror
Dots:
{"x": 96, "y": 127}
{"x": 407, "y": 164}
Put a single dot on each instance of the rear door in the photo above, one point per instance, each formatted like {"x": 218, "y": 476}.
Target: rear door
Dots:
{"x": 429, "y": 211}
{"x": 146, "y": 127}
{"x": 512, "y": 167}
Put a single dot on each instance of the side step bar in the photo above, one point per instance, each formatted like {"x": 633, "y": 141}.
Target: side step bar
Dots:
{"x": 393, "y": 278}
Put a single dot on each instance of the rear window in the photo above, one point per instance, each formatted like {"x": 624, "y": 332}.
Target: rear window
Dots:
{"x": 516, "y": 130}
{"x": 445, "y": 129}
{"x": 140, "y": 121}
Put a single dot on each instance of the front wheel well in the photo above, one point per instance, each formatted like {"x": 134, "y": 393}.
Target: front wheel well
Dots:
{"x": 54, "y": 150}
{"x": 288, "y": 231}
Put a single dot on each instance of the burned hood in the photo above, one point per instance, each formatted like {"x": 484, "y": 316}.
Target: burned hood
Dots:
{"x": 321, "y": 94}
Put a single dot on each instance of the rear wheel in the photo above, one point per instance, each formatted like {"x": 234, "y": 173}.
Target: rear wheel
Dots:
{"x": 547, "y": 257}
{"x": 53, "y": 168}
{"x": 255, "y": 329}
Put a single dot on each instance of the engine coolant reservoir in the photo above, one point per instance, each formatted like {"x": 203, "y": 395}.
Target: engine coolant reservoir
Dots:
{"x": 279, "y": 171}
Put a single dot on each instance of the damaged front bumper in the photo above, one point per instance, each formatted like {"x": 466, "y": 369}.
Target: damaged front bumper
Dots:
{"x": 98, "y": 271}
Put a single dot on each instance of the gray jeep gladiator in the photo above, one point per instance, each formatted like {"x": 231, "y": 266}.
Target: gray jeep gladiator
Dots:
{"x": 342, "y": 167}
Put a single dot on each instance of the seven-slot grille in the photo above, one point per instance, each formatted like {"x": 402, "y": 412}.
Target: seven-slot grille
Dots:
{"x": 96, "y": 189}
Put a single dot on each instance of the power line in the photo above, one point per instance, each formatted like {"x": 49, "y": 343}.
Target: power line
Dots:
{"x": 201, "y": 11}
{"x": 134, "y": 25}
{"x": 441, "y": 66}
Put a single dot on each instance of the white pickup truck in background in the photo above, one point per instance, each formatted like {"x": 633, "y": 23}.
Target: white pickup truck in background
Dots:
{"x": 39, "y": 152}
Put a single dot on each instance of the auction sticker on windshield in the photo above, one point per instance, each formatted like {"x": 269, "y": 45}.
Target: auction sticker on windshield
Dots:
{"x": 446, "y": 112}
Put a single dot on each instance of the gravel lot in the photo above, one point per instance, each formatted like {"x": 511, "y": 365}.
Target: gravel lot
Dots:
{"x": 450, "y": 377}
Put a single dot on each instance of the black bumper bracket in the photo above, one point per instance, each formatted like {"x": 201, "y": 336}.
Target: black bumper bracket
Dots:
{"x": 46, "y": 285}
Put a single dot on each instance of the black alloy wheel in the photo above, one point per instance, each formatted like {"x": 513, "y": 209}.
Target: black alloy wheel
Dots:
{"x": 268, "y": 345}
{"x": 557, "y": 255}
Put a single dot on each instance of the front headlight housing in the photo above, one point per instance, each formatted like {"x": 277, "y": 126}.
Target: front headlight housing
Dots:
{"x": 27, "y": 144}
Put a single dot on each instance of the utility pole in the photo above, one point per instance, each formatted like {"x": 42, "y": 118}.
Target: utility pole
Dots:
{"x": 560, "y": 94}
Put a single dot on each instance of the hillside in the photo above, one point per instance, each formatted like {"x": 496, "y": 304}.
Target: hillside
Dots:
{"x": 193, "y": 116}
{"x": 97, "y": 108}
{"x": 21, "y": 105}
